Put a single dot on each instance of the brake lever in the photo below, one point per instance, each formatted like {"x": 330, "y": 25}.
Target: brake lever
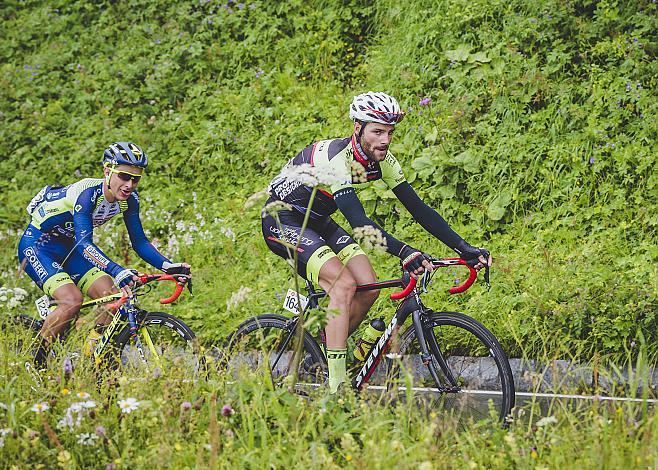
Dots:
{"x": 486, "y": 277}
{"x": 189, "y": 285}
{"x": 425, "y": 281}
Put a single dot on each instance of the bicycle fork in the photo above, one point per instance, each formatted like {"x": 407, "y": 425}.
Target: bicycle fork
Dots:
{"x": 135, "y": 338}
{"x": 429, "y": 348}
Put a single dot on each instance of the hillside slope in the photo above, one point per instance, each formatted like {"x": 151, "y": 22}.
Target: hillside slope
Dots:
{"x": 531, "y": 127}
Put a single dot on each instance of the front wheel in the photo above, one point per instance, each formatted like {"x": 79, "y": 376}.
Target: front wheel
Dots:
{"x": 164, "y": 342}
{"x": 468, "y": 369}
{"x": 267, "y": 342}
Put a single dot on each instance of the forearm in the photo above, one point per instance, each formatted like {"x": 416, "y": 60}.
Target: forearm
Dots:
{"x": 427, "y": 217}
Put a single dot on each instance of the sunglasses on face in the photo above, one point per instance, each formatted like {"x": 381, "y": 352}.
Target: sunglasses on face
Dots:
{"x": 125, "y": 176}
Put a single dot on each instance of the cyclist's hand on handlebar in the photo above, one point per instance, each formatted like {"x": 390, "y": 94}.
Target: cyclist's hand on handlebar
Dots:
{"x": 125, "y": 280}
{"x": 175, "y": 269}
{"x": 476, "y": 257}
{"x": 415, "y": 262}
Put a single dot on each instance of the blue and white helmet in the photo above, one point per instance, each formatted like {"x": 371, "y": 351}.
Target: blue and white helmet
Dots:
{"x": 125, "y": 153}
{"x": 375, "y": 107}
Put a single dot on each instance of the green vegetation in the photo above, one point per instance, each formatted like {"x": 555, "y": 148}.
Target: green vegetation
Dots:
{"x": 74, "y": 420}
{"x": 535, "y": 136}
{"x": 531, "y": 127}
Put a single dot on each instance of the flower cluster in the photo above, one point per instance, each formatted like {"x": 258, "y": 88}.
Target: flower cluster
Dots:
{"x": 3, "y": 433}
{"x": 370, "y": 238}
{"x": 238, "y": 297}
{"x": 87, "y": 439}
{"x": 12, "y": 296}
{"x": 75, "y": 413}
{"x": 314, "y": 176}
{"x": 275, "y": 207}
{"x": 358, "y": 172}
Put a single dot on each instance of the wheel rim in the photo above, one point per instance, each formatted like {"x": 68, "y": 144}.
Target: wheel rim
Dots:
{"x": 470, "y": 384}
{"x": 176, "y": 356}
{"x": 270, "y": 350}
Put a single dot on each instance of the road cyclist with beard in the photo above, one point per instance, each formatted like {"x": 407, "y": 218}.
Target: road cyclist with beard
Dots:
{"x": 327, "y": 254}
{"x": 57, "y": 249}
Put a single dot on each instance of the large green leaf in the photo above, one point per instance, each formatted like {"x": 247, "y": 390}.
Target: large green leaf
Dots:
{"x": 460, "y": 54}
{"x": 497, "y": 207}
{"x": 469, "y": 160}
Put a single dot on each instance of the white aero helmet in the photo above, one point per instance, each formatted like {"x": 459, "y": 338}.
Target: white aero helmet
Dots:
{"x": 375, "y": 107}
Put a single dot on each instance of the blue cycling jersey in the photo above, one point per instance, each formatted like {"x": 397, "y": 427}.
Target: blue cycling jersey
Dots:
{"x": 67, "y": 215}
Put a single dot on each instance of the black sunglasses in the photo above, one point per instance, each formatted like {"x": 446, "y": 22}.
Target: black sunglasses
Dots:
{"x": 125, "y": 176}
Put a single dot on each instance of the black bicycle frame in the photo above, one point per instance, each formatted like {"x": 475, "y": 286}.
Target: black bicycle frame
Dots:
{"x": 411, "y": 305}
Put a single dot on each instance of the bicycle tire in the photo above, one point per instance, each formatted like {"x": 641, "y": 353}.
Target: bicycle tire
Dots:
{"x": 482, "y": 378}
{"x": 269, "y": 336}
{"x": 176, "y": 344}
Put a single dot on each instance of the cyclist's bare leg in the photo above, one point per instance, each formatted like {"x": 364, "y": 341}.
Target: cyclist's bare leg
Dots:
{"x": 100, "y": 288}
{"x": 363, "y": 273}
{"x": 339, "y": 283}
{"x": 69, "y": 300}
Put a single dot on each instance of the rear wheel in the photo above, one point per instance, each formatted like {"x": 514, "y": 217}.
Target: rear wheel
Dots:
{"x": 468, "y": 373}
{"x": 166, "y": 342}
{"x": 267, "y": 342}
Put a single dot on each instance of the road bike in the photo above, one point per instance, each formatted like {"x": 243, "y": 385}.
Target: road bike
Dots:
{"x": 447, "y": 354}
{"x": 134, "y": 339}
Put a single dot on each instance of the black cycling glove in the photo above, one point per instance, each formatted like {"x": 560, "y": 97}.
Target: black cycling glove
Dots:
{"x": 175, "y": 268}
{"x": 412, "y": 258}
{"x": 470, "y": 253}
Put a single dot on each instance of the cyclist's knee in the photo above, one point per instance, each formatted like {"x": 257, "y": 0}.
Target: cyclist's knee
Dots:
{"x": 69, "y": 303}
{"x": 369, "y": 295}
{"x": 343, "y": 288}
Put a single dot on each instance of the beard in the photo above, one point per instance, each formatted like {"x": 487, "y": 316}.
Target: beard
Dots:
{"x": 370, "y": 150}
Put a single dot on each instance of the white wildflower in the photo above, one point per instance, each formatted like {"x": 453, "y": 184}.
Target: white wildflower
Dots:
{"x": 20, "y": 293}
{"x": 227, "y": 232}
{"x": 82, "y": 395}
{"x": 3, "y": 433}
{"x": 314, "y": 176}
{"x": 128, "y": 405}
{"x": 188, "y": 239}
{"x": 40, "y": 407}
{"x": 173, "y": 246}
{"x": 239, "y": 296}
{"x": 180, "y": 225}
{"x": 545, "y": 421}
{"x": 87, "y": 439}
{"x": 275, "y": 207}
{"x": 88, "y": 404}
{"x": 254, "y": 198}
{"x": 370, "y": 238}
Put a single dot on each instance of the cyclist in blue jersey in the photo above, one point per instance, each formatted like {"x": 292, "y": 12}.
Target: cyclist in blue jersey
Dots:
{"x": 327, "y": 254}
{"x": 57, "y": 248}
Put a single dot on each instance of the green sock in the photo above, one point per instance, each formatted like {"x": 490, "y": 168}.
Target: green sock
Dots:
{"x": 336, "y": 360}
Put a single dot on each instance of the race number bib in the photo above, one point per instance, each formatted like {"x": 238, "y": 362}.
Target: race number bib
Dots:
{"x": 290, "y": 302}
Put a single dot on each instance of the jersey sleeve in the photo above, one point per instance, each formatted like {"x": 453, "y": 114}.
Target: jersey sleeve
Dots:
{"x": 427, "y": 217}
{"x": 351, "y": 207}
{"x": 138, "y": 239}
{"x": 83, "y": 209}
{"x": 392, "y": 173}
